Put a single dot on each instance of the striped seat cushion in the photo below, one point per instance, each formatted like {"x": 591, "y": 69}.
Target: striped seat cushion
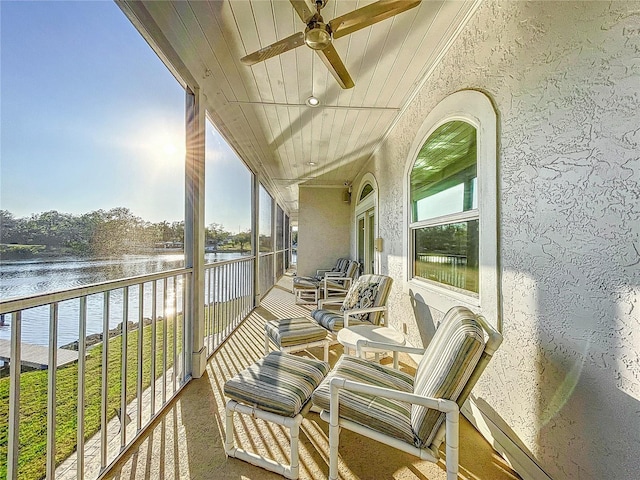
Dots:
{"x": 333, "y": 320}
{"x": 294, "y": 331}
{"x": 445, "y": 368}
{"x": 305, "y": 283}
{"x": 279, "y": 383}
{"x": 387, "y": 416}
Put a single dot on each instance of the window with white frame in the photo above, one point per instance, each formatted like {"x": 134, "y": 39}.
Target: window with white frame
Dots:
{"x": 451, "y": 196}
{"x": 444, "y": 208}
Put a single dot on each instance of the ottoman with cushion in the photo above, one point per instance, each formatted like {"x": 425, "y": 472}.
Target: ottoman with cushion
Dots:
{"x": 295, "y": 334}
{"x": 277, "y": 389}
{"x": 306, "y": 290}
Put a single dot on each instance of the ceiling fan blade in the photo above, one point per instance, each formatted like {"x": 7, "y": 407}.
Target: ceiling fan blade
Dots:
{"x": 302, "y": 10}
{"x": 274, "y": 49}
{"x": 331, "y": 59}
{"x": 365, "y": 16}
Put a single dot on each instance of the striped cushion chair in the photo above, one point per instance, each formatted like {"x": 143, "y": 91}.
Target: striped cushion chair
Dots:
{"x": 276, "y": 389}
{"x": 340, "y": 284}
{"x": 307, "y": 289}
{"x": 413, "y": 414}
{"x": 365, "y": 302}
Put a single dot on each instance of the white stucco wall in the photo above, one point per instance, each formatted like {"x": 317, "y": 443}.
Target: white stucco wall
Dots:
{"x": 322, "y": 215}
{"x": 565, "y": 81}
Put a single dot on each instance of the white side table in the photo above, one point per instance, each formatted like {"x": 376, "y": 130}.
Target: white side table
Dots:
{"x": 349, "y": 336}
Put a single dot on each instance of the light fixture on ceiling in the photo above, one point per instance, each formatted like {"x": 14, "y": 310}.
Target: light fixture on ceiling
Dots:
{"x": 313, "y": 101}
{"x": 313, "y": 164}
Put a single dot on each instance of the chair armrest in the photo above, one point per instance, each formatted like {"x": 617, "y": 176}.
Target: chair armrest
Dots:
{"x": 332, "y": 274}
{"x": 358, "y": 311}
{"x": 387, "y": 347}
{"x": 337, "y": 383}
{"x": 335, "y": 278}
{"x": 338, "y": 301}
{"x": 322, "y": 271}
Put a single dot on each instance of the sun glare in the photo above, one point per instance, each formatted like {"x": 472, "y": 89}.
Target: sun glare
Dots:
{"x": 161, "y": 146}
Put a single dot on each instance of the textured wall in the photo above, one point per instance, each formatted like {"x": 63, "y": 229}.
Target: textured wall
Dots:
{"x": 565, "y": 79}
{"x": 322, "y": 215}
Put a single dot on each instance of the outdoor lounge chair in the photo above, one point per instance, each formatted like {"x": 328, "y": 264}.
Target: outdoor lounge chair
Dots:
{"x": 307, "y": 289}
{"x": 339, "y": 284}
{"x": 365, "y": 302}
{"x": 412, "y": 414}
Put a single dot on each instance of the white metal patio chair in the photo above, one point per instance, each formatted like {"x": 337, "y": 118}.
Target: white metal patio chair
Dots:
{"x": 339, "y": 284}
{"x": 412, "y": 414}
{"x": 365, "y": 302}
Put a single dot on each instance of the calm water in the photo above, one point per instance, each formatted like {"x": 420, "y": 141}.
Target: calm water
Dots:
{"x": 27, "y": 278}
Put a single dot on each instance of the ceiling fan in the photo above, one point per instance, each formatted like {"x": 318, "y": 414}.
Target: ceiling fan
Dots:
{"x": 319, "y": 35}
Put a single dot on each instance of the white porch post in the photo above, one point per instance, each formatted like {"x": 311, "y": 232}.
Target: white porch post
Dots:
{"x": 255, "y": 233}
{"x": 194, "y": 233}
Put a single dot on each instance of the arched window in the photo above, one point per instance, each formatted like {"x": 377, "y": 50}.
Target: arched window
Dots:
{"x": 451, "y": 195}
{"x": 444, "y": 207}
{"x": 366, "y": 190}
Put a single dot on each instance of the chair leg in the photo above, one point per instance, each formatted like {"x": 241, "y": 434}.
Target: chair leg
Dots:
{"x": 334, "y": 438}
{"x": 291, "y": 423}
{"x": 229, "y": 443}
{"x": 452, "y": 444}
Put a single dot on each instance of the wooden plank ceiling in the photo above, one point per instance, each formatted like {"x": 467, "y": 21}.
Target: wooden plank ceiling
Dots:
{"x": 261, "y": 109}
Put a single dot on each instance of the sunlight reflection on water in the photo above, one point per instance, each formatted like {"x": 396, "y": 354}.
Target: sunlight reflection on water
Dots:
{"x": 28, "y": 278}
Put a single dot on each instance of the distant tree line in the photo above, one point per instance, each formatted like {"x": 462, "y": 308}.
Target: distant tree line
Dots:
{"x": 99, "y": 233}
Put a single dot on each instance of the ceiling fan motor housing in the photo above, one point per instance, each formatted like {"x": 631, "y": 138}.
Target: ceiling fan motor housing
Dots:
{"x": 317, "y": 34}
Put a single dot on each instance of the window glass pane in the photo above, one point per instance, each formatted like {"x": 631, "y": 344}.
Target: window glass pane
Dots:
{"x": 448, "y": 254}
{"x": 366, "y": 191}
{"x": 266, "y": 207}
{"x": 443, "y": 176}
{"x": 361, "y": 240}
{"x": 227, "y": 199}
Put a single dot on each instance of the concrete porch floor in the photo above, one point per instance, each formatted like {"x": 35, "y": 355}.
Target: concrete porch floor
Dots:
{"x": 187, "y": 441}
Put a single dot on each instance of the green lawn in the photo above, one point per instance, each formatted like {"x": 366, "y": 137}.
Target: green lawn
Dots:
{"x": 33, "y": 398}
{"x": 33, "y": 395}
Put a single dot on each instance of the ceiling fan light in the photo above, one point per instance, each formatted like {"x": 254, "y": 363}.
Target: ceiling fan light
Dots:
{"x": 318, "y": 37}
{"x": 312, "y": 101}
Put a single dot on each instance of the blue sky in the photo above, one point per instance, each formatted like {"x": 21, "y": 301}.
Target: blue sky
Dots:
{"x": 91, "y": 119}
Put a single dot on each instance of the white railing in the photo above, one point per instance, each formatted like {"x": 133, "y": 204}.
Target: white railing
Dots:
{"x": 228, "y": 298}
{"x": 119, "y": 385}
{"x": 266, "y": 268}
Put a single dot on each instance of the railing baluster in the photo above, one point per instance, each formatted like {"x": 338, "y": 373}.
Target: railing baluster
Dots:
{"x": 208, "y": 330}
{"x": 175, "y": 332}
{"x": 104, "y": 401}
{"x": 82, "y": 363}
{"x": 217, "y": 307}
{"x": 154, "y": 312}
{"x": 227, "y": 314}
{"x": 140, "y": 345}
{"x": 51, "y": 390}
{"x": 165, "y": 320}
{"x": 14, "y": 395}
{"x": 123, "y": 371}
{"x": 183, "y": 323}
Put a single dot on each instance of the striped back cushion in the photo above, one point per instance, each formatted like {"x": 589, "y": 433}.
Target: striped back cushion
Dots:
{"x": 341, "y": 265}
{"x": 353, "y": 269}
{"x": 368, "y": 291}
{"x": 445, "y": 368}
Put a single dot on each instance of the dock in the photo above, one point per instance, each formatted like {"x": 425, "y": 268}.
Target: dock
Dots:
{"x": 37, "y": 356}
